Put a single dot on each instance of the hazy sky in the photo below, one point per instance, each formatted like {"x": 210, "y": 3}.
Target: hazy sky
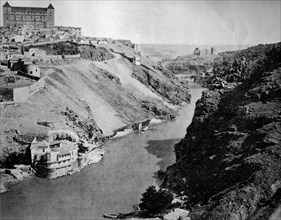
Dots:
{"x": 172, "y": 22}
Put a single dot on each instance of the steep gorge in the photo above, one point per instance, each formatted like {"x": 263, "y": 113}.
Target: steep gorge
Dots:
{"x": 229, "y": 163}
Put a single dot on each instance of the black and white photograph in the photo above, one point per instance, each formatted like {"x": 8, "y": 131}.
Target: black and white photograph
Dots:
{"x": 140, "y": 110}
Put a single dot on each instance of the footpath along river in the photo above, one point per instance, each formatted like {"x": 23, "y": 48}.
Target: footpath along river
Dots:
{"x": 112, "y": 185}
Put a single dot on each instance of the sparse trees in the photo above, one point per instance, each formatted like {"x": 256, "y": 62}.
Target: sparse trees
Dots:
{"x": 154, "y": 202}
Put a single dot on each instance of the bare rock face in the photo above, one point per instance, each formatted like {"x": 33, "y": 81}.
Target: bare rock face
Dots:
{"x": 171, "y": 90}
{"x": 159, "y": 110}
{"x": 229, "y": 163}
{"x": 192, "y": 66}
{"x": 85, "y": 128}
{"x": 95, "y": 53}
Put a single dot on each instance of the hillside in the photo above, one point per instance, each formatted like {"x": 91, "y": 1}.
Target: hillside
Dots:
{"x": 189, "y": 64}
{"x": 92, "y": 98}
{"x": 193, "y": 67}
{"x": 229, "y": 163}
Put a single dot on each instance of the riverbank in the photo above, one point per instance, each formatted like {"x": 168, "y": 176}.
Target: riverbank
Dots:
{"x": 11, "y": 177}
{"x": 113, "y": 185}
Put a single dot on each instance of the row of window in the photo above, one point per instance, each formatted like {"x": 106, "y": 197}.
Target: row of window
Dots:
{"x": 64, "y": 155}
{"x": 27, "y": 13}
{"x": 62, "y": 162}
{"x": 29, "y": 18}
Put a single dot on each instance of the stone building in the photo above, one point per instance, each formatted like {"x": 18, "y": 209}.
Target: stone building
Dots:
{"x": 53, "y": 159}
{"x": 28, "y": 16}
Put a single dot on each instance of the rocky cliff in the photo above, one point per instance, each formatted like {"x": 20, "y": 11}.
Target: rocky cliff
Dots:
{"x": 229, "y": 163}
{"x": 192, "y": 66}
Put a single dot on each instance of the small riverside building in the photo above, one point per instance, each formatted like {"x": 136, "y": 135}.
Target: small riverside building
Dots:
{"x": 53, "y": 159}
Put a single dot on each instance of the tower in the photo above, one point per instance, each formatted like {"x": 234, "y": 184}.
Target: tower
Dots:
{"x": 50, "y": 16}
{"x": 212, "y": 50}
{"x": 7, "y": 9}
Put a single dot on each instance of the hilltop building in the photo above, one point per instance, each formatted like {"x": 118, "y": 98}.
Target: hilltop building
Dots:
{"x": 28, "y": 16}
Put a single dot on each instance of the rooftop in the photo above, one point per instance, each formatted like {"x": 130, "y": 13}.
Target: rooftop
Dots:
{"x": 65, "y": 147}
{"x": 51, "y": 6}
{"x": 41, "y": 145}
{"x": 28, "y": 8}
{"x": 6, "y": 5}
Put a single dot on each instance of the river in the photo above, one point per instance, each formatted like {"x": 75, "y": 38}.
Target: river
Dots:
{"x": 113, "y": 185}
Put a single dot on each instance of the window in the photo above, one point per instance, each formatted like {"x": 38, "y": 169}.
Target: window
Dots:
{"x": 43, "y": 150}
{"x": 30, "y": 72}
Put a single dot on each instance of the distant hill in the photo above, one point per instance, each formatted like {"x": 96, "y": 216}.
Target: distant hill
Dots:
{"x": 165, "y": 51}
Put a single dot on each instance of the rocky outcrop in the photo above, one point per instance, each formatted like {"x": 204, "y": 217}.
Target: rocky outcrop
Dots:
{"x": 108, "y": 75}
{"x": 171, "y": 90}
{"x": 189, "y": 64}
{"x": 85, "y": 128}
{"x": 95, "y": 53}
{"x": 193, "y": 66}
{"x": 229, "y": 163}
{"x": 159, "y": 110}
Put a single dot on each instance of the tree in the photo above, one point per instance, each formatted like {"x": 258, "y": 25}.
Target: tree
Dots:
{"x": 155, "y": 202}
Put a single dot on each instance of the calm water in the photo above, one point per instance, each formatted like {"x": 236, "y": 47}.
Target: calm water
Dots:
{"x": 113, "y": 185}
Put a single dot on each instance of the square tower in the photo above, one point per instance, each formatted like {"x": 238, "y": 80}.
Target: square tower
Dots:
{"x": 50, "y": 16}
{"x": 7, "y": 19}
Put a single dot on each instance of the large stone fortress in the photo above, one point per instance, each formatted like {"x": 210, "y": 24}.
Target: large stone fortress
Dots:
{"x": 28, "y": 16}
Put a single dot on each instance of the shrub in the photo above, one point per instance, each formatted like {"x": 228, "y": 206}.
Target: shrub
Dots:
{"x": 155, "y": 202}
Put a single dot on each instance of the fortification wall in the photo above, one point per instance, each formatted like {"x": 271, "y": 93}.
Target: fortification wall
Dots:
{"x": 23, "y": 93}
{"x": 72, "y": 56}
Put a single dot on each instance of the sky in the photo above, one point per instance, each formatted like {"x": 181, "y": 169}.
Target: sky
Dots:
{"x": 170, "y": 22}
